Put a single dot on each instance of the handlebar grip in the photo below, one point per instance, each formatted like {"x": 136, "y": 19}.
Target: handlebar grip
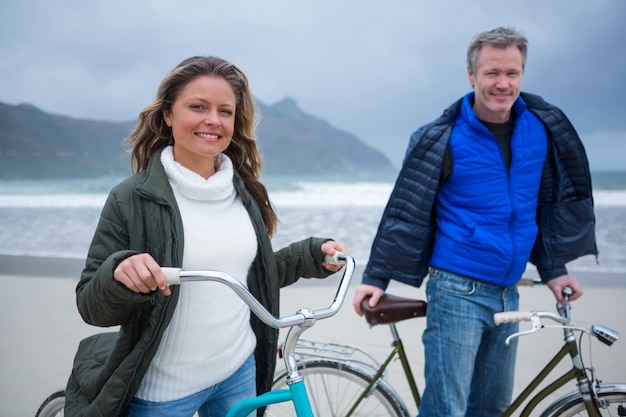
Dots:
{"x": 335, "y": 259}
{"x": 172, "y": 275}
{"x": 511, "y": 317}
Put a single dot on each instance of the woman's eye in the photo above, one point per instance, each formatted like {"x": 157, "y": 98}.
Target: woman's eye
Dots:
{"x": 196, "y": 107}
{"x": 227, "y": 112}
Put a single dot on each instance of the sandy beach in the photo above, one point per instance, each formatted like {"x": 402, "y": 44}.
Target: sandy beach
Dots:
{"x": 41, "y": 328}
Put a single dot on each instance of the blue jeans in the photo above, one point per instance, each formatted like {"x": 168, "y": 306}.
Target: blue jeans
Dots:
{"x": 469, "y": 370}
{"x": 214, "y": 401}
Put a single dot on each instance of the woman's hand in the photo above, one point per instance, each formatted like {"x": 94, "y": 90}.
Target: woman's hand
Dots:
{"x": 142, "y": 274}
{"x": 330, "y": 247}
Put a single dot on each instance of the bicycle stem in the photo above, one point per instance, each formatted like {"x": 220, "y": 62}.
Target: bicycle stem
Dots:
{"x": 289, "y": 348}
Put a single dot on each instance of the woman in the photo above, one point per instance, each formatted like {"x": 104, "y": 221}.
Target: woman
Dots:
{"x": 195, "y": 202}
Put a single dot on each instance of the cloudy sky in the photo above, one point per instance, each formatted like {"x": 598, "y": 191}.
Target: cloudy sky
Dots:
{"x": 375, "y": 69}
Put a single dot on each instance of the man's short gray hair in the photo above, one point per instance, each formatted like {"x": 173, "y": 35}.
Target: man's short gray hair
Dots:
{"x": 500, "y": 37}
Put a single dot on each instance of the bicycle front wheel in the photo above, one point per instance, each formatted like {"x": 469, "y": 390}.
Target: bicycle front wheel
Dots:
{"x": 334, "y": 387}
{"x": 612, "y": 402}
{"x": 53, "y": 406}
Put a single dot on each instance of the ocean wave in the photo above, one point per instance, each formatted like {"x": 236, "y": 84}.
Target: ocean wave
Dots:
{"x": 73, "y": 200}
{"x": 303, "y": 195}
{"x": 327, "y": 194}
{"x": 611, "y": 198}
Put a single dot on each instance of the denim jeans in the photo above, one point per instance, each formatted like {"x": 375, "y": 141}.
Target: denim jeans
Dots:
{"x": 214, "y": 401}
{"x": 469, "y": 370}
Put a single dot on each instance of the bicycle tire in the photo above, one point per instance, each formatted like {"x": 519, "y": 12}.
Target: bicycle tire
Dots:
{"x": 53, "y": 406}
{"x": 333, "y": 388}
{"x": 571, "y": 405}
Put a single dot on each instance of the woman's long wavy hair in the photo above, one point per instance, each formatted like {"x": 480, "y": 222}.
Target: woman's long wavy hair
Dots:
{"x": 152, "y": 133}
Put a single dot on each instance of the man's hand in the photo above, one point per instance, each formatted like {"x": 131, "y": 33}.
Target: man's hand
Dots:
{"x": 556, "y": 285}
{"x": 363, "y": 291}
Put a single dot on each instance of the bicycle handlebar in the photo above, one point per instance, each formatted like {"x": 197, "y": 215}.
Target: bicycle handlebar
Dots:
{"x": 175, "y": 276}
{"x": 533, "y": 316}
{"x": 511, "y": 317}
{"x": 605, "y": 334}
{"x": 517, "y": 316}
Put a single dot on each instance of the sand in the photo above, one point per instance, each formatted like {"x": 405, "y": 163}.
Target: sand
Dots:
{"x": 41, "y": 328}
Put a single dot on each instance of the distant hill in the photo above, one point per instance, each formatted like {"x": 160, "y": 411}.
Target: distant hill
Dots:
{"x": 35, "y": 144}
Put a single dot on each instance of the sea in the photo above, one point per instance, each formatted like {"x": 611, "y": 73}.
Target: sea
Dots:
{"x": 57, "y": 218}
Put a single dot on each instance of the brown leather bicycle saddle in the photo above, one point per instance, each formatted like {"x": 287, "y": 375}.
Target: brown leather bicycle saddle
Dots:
{"x": 392, "y": 309}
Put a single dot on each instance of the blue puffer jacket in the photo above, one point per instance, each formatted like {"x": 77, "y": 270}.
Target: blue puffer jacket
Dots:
{"x": 403, "y": 245}
{"x": 488, "y": 235}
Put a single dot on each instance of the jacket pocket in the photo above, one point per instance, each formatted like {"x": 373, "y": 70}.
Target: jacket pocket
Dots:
{"x": 89, "y": 372}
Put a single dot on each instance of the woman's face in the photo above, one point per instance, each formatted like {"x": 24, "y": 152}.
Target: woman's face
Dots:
{"x": 203, "y": 121}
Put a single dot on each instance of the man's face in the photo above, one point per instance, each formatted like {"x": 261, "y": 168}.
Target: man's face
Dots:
{"x": 497, "y": 82}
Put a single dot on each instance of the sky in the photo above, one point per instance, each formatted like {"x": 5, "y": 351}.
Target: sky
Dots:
{"x": 376, "y": 69}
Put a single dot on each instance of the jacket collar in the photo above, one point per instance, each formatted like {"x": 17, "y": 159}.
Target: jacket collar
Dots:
{"x": 155, "y": 184}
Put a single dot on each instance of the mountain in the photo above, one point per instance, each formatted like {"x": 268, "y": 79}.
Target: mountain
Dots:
{"x": 35, "y": 145}
{"x": 292, "y": 142}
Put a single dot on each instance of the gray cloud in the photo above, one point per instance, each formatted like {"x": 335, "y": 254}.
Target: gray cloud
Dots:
{"x": 377, "y": 70}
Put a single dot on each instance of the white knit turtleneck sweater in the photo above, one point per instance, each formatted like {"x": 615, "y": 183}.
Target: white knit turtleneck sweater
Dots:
{"x": 209, "y": 336}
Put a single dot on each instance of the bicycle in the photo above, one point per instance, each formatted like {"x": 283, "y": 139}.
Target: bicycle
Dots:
{"x": 303, "y": 319}
{"x": 346, "y": 381}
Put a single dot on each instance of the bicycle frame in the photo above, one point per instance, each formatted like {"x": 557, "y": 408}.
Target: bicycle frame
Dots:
{"x": 586, "y": 383}
{"x": 398, "y": 349}
{"x": 296, "y": 393}
{"x": 570, "y": 348}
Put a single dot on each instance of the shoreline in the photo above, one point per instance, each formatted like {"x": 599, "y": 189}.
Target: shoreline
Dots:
{"x": 43, "y": 266}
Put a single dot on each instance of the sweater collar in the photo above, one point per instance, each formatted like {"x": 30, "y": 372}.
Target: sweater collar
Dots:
{"x": 189, "y": 184}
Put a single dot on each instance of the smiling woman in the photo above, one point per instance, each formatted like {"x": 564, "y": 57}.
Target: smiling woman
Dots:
{"x": 194, "y": 202}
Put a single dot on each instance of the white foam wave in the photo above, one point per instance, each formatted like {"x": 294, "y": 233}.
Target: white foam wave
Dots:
{"x": 332, "y": 194}
{"x": 609, "y": 198}
{"x": 75, "y": 200}
{"x": 306, "y": 194}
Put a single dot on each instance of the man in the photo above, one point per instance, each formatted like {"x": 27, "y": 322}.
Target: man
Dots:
{"x": 500, "y": 179}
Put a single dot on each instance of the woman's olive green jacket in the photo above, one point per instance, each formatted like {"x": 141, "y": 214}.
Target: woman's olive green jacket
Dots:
{"x": 141, "y": 215}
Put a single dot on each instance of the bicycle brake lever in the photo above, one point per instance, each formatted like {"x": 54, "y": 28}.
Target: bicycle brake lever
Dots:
{"x": 536, "y": 326}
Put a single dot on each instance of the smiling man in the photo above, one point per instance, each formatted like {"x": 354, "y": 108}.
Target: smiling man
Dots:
{"x": 500, "y": 179}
